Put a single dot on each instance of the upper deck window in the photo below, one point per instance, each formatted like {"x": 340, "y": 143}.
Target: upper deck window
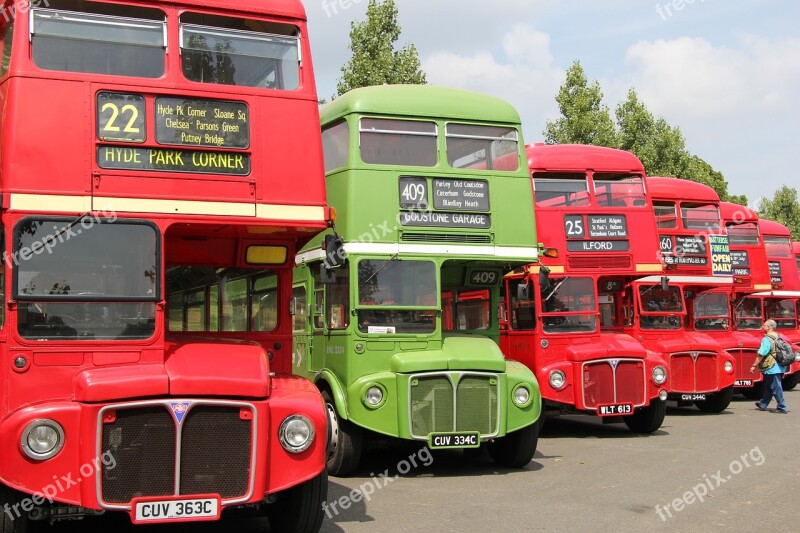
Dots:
{"x": 561, "y": 189}
{"x": 666, "y": 215}
{"x": 335, "y": 144}
{"x": 619, "y": 190}
{"x": 99, "y": 39}
{"x": 398, "y": 142}
{"x": 700, "y": 216}
{"x": 233, "y": 51}
{"x": 482, "y": 147}
{"x": 778, "y": 246}
{"x": 743, "y": 234}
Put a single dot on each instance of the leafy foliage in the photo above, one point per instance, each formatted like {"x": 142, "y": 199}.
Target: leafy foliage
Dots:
{"x": 783, "y": 208}
{"x": 660, "y": 146}
{"x": 584, "y": 118}
{"x": 375, "y": 60}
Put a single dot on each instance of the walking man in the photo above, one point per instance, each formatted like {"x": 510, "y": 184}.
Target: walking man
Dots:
{"x": 773, "y": 372}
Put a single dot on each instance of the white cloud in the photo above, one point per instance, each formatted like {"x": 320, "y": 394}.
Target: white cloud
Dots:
{"x": 691, "y": 77}
{"x": 526, "y": 75}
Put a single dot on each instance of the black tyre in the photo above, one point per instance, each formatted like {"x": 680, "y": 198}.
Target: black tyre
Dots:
{"x": 790, "y": 382}
{"x": 344, "y": 447}
{"x": 647, "y": 419}
{"x": 12, "y": 523}
{"x": 755, "y": 392}
{"x": 516, "y": 449}
{"x": 716, "y": 403}
{"x": 299, "y": 509}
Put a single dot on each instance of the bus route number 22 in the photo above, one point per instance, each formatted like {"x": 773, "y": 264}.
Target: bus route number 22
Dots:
{"x": 120, "y": 117}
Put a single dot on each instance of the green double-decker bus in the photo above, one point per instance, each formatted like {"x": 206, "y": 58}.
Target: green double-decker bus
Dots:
{"x": 396, "y": 311}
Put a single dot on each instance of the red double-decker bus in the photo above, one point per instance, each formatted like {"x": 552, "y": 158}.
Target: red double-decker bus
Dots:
{"x": 679, "y": 313}
{"x": 782, "y": 302}
{"x": 796, "y": 250}
{"x": 566, "y": 320}
{"x": 750, "y": 275}
{"x": 160, "y": 163}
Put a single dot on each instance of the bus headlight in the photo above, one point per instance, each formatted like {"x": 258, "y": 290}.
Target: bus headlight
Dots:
{"x": 296, "y": 434}
{"x": 659, "y": 375}
{"x": 728, "y": 367}
{"x": 374, "y": 396}
{"x": 558, "y": 380}
{"x": 42, "y": 439}
{"x": 522, "y": 395}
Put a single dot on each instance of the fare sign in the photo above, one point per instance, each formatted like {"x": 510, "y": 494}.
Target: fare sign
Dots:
{"x": 195, "y": 122}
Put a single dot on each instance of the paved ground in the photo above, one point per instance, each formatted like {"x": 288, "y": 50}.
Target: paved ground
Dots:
{"x": 585, "y": 476}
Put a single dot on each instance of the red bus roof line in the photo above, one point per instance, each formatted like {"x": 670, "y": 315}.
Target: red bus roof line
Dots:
{"x": 662, "y": 188}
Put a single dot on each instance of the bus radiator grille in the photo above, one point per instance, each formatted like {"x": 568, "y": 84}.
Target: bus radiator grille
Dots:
{"x": 215, "y": 452}
{"x": 599, "y": 263}
{"x": 477, "y": 405}
{"x": 216, "y": 448}
{"x": 437, "y": 407}
{"x": 744, "y": 358}
{"x": 613, "y": 381}
{"x": 693, "y": 372}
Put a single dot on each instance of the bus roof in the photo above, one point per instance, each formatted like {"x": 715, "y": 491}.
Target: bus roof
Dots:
{"x": 739, "y": 214}
{"x": 421, "y": 101}
{"x": 661, "y": 188}
{"x": 285, "y": 8}
{"x": 772, "y": 228}
{"x": 581, "y": 157}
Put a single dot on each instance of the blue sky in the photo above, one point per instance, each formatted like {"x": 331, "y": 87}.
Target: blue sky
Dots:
{"x": 726, "y": 71}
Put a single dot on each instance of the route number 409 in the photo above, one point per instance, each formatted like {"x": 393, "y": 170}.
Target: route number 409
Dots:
{"x": 413, "y": 192}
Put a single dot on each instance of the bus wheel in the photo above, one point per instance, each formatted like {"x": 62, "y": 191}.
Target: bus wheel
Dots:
{"x": 516, "y": 449}
{"x": 647, "y": 419}
{"x": 13, "y": 522}
{"x": 716, "y": 403}
{"x": 755, "y": 392}
{"x": 790, "y": 382}
{"x": 344, "y": 448}
{"x": 299, "y": 509}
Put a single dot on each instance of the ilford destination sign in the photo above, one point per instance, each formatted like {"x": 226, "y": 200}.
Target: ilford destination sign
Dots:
{"x": 208, "y": 123}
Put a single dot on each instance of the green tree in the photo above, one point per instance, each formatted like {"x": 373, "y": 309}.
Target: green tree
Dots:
{"x": 662, "y": 148}
{"x": 783, "y": 208}
{"x": 584, "y": 118}
{"x": 375, "y": 61}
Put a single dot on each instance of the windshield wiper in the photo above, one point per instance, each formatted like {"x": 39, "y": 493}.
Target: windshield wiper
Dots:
{"x": 381, "y": 268}
{"x": 555, "y": 289}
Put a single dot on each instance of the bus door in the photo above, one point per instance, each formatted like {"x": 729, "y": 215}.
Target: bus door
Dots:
{"x": 301, "y": 330}
{"x": 611, "y": 304}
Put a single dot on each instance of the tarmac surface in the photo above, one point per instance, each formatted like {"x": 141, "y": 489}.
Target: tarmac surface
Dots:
{"x": 705, "y": 472}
